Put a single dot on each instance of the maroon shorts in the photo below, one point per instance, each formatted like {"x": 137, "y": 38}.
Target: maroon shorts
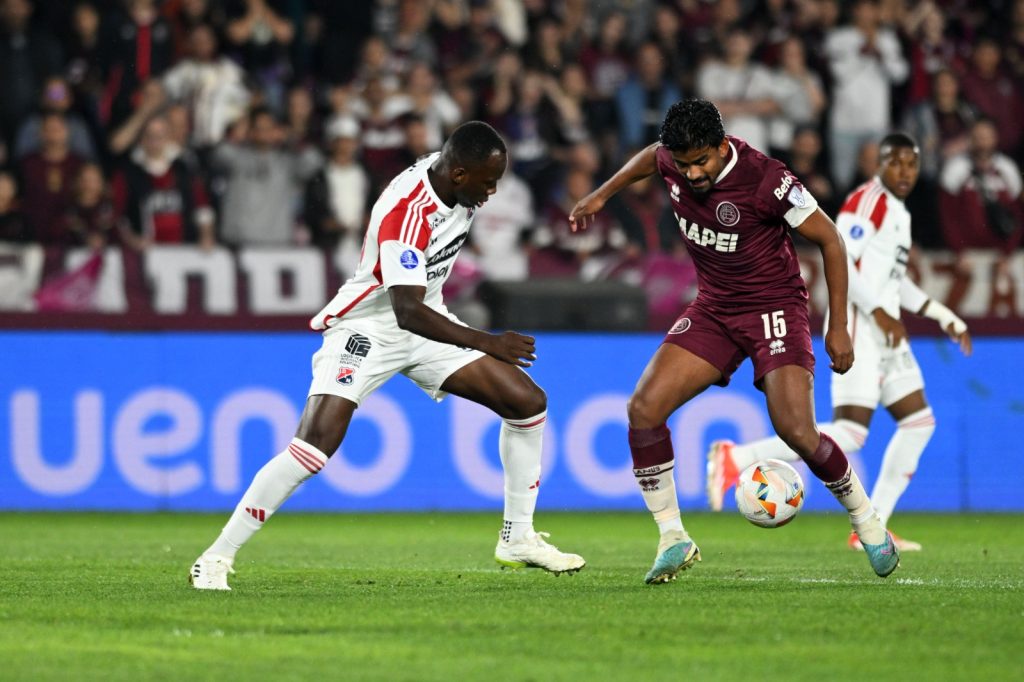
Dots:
{"x": 776, "y": 336}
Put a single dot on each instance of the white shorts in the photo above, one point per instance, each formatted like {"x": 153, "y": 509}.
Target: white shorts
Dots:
{"x": 358, "y": 356}
{"x": 879, "y": 374}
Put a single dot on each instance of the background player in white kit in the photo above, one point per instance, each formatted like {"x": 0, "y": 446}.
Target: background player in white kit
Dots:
{"x": 388, "y": 319}
{"x": 876, "y": 227}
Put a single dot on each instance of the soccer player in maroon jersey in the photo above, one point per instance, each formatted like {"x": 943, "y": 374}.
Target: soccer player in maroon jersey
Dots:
{"x": 735, "y": 208}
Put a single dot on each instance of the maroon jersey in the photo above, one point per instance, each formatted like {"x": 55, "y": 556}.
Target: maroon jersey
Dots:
{"x": 738, "y": 233}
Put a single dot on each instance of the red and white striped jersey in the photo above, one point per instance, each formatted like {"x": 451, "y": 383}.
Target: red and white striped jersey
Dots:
{"x": 413, "y": 239}
{"x": 875, "y": 225}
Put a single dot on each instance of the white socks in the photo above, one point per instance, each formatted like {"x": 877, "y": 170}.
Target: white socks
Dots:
{"x": 900, "y": 461}
{"x": 272, "y": 485}
{"x": 658, "y": 486}
{"x": 848, "y": 435}
{"x": 519, "y": 445}
{"x": 850, "y": 493}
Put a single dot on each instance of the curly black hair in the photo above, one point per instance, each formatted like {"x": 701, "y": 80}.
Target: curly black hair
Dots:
{"x": 692, "y": 124}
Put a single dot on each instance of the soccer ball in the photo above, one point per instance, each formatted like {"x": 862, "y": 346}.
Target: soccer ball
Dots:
{"x": 769, "y": 493}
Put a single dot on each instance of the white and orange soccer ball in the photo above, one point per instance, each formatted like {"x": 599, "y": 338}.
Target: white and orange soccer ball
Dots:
{"x": 769, "y": 493}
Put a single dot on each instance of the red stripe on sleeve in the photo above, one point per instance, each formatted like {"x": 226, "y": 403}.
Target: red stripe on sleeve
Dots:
{"x": 878, "y": 215}
{"x": 391, "y": 227}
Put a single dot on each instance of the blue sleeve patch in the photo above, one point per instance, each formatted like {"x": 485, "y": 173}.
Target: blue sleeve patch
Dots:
{"x": 856, "y": 231}
{"x": 409, "y": 259}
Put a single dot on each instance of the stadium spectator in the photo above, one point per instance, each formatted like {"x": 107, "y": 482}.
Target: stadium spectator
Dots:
{"x": 560, "y": 252}
{"x": 302, "y": 125}
{"x": 28, "y": 55}
{"x": 744, "y": 91}
{"x": 941, "y": 124}
{"x": 501, "y": 228}
{"x": 152, "y": 99}
{"x": 185, "y": 15}
{"x": 83, "y": 68}
{"x": 806, "y": 162}
{"x": 643, "y": 99}
{"x": 930, "y": 51}
{"x": 607, "y": 64}
{"x": 90, "y": 220}
{"x": 376, "y": 62}
{"x": 417, "y": 138}
{"x": 209, "y": 84}
{"x": 544, "y": 52}
{"x": 667, "y": 33}
{"x": 382, "y": 138}
{"x": 410, "y": 41}
{"x": 980, "y": 195}
{"x": 336, "y": 197}
{"x": 865, "y": 59}
{"x": 47, "y": 179}
{"x": 532, "y": 126}
{"x": 260, "y": 32}
{"x": 57, "y": 98}
{"x": 641, "y": 211}
{"x": 264, "y": 180}
{"x": 13, "y": 226}
{"x": 800, "y": 95}
{"x": 988, "y": 87}
{"x": 136, "y": 46}
{"x": 423, "y": 97}
{"x": 158, "y": 197}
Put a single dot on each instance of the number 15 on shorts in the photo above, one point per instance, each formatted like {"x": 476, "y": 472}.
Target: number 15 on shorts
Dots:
{"x": 774, "y": 324}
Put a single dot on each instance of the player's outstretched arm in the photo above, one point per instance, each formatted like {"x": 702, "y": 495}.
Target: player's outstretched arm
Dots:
{"x": 912, "y": 298}
{"x": 413, "y": 315}
{"x": 818, "y": 228}
{"x": 642, "y": 165}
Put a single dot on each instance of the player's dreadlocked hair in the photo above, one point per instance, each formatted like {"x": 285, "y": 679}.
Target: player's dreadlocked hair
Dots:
{"x": 692, "y": 124}
{"x": 894, "y": 141}
{"x": 472, "y": 143}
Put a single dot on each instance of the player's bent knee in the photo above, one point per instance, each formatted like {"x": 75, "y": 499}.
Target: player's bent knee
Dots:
{"x": 641, "y": 412}
{"x": 801, "y": 438}
{"x": 530, "y": 403}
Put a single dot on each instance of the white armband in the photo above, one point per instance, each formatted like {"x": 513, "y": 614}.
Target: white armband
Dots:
{"x": 945, "y": 317}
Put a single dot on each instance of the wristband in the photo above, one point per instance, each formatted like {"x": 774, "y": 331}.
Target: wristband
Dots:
{"x": 945, "y": 317}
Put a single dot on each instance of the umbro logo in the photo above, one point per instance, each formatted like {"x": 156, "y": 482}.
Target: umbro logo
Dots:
{"x": 358, "y": 345}
{"x": 777, "y": 346}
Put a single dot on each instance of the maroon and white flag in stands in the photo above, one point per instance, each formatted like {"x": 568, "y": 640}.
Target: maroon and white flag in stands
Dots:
{"x": 72, "y": 291}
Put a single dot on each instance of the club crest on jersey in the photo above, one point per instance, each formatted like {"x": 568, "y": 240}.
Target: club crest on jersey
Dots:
{"x": 345, "y": 375}
{"x": 408, "y": 259}
{"x": 726, "y": 242}
{"x": 727, "y": 213}
{"x": 681, "y": 325}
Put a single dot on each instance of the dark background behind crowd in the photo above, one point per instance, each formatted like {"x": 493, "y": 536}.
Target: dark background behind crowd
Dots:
{"x": 277, "y": 122}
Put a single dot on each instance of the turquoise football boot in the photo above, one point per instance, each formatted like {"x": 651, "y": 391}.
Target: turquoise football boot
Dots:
{"x": 676, "y": 553}
{"x": 884, "y": 558}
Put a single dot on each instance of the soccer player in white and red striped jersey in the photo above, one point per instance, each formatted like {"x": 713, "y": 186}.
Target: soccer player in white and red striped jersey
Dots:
{"x": 389, "y": 318}
{"x": 875, "y": 225}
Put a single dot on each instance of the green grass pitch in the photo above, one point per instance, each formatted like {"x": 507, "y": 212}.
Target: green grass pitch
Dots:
{"x": 417, "y": 597}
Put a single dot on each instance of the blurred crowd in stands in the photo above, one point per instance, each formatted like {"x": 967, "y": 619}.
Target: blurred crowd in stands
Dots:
{"x": 277, "y": 122}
